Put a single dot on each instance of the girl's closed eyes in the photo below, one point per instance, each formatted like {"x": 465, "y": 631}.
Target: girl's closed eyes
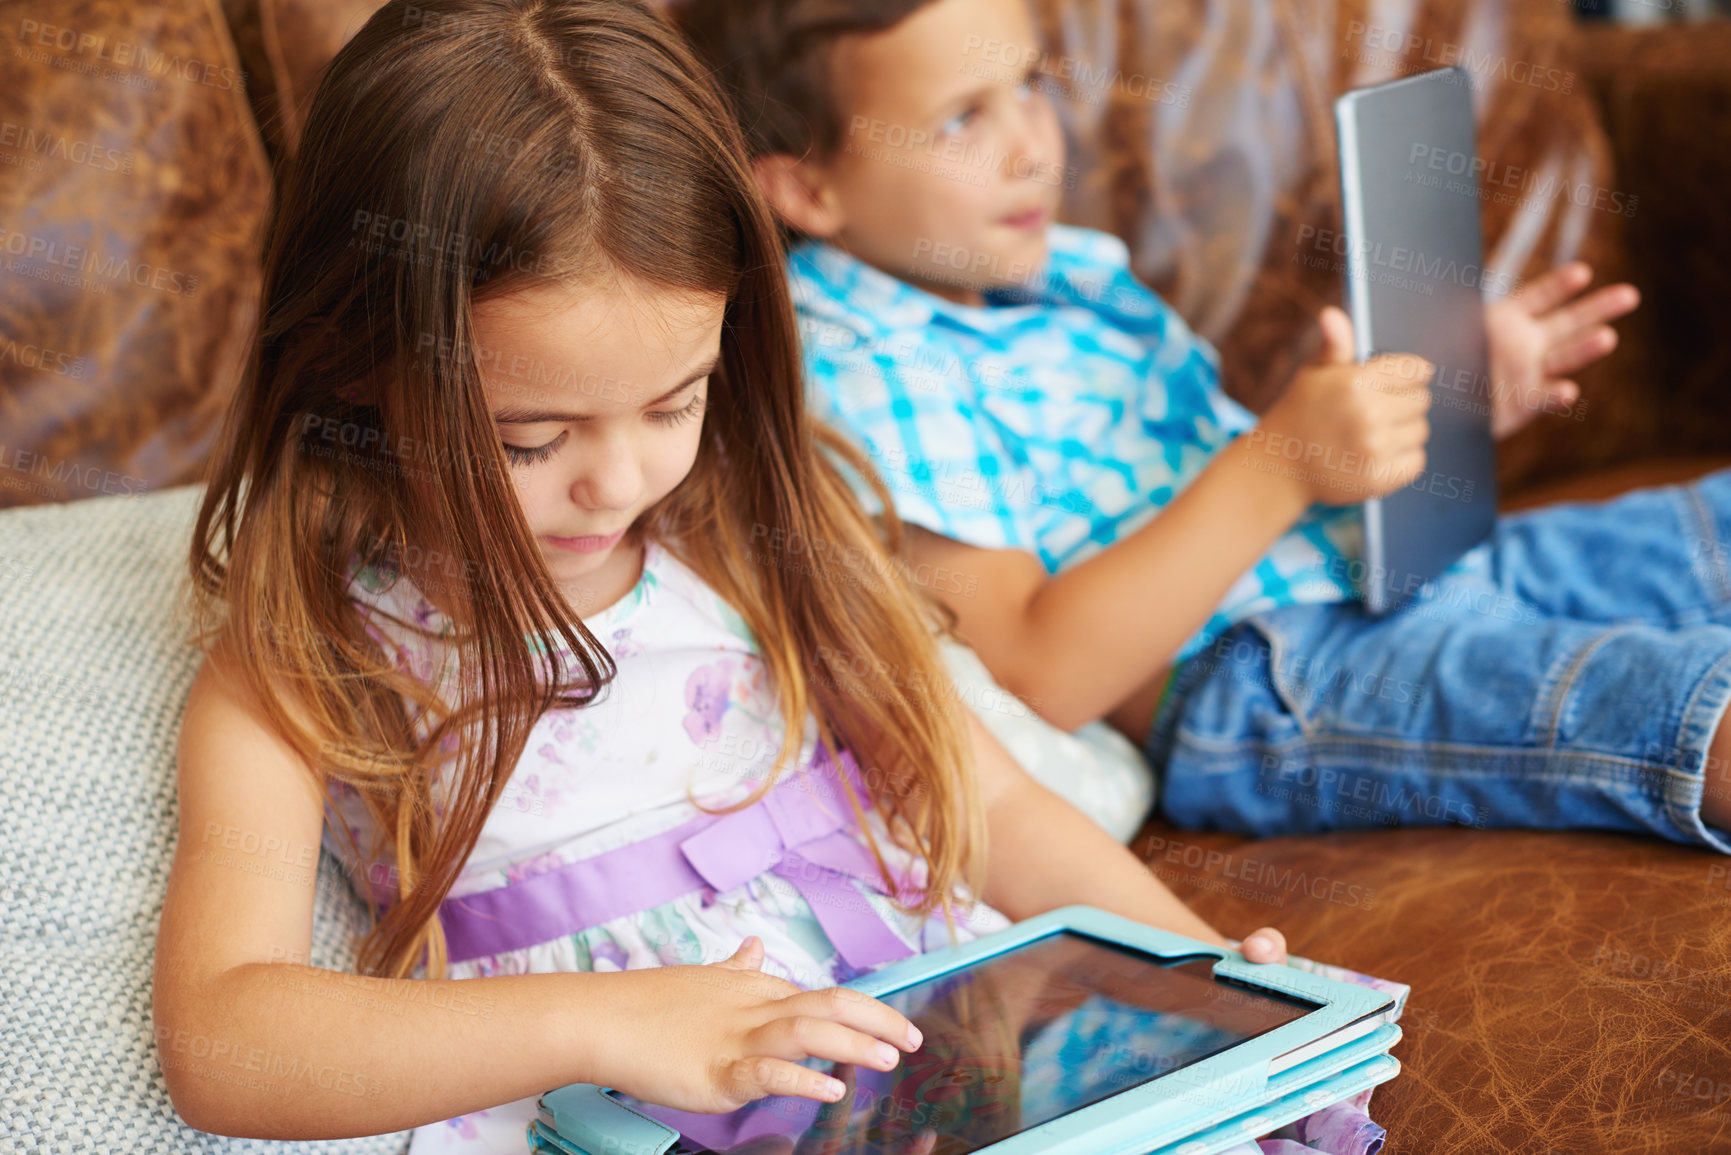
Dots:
{"x": 528, "y": 456}
{"x": 520, "y": 456}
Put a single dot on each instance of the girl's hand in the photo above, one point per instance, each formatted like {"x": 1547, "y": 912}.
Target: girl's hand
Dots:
{"x": 713, "y": 1038}
{"x": 1264, "y": 945}
{"x": 1540, "y": 334}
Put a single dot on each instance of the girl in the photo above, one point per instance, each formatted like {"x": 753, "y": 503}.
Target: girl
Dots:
{"x": 520, "y": 560}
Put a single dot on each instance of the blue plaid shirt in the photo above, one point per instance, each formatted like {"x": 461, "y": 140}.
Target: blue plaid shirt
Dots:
{"x": 1056, "y": 419}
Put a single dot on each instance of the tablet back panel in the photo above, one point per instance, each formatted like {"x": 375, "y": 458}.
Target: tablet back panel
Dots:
{"x": 1415, "y": 276}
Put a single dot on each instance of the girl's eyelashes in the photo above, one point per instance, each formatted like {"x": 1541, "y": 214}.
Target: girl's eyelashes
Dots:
{"x": 519, "y": 455}
{"x": 675, "y": 416}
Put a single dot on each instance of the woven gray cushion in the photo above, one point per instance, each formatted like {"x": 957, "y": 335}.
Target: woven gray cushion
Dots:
{"x": 93, "y": 679}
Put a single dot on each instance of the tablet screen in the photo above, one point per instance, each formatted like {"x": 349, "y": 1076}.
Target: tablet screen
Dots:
{"x": 1011, "y": 1042}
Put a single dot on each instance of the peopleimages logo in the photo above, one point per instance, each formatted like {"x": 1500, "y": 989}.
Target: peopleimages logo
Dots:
{"x": 1386, "y": 45}
{"x": 1502, "y": 183}
{"x": 26, "y": 249}
{"x": 949, "y": 156}
{"x": 1426, "y": 270}
{"x": 1264, "y": 881}
{"x": 1071, "y": 76}
{"x": 126, "y": 56}
{"x": 58, "y": 146}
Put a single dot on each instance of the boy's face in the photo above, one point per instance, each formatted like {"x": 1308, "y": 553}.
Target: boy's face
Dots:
{"x": 951, "y": 163}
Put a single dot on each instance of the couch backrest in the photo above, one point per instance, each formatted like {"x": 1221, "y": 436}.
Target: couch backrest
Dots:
{"x": 132, "y": 199}
{"x": 1200, "y": 131}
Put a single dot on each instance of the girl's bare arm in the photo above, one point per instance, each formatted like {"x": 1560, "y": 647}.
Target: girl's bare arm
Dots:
{"x": 254, "y": 1042}
{"x": 1043, "y": 853}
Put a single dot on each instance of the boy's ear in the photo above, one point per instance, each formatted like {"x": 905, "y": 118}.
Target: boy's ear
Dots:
{"x": 799, "y": 193}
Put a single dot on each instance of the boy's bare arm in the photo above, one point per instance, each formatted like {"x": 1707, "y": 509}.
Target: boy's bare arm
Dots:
{"x": 1076, "y": 645}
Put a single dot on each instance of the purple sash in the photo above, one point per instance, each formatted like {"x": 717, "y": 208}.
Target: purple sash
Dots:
{"x": 789, "y": 831}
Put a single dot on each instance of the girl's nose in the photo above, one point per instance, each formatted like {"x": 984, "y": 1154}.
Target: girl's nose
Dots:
{"x": 608, "y": 476}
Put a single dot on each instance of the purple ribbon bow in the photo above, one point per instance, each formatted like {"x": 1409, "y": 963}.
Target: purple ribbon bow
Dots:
{"x": 788, "y": 831}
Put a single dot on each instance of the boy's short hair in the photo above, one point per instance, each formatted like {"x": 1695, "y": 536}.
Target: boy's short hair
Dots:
{"x": 775, "y": 61}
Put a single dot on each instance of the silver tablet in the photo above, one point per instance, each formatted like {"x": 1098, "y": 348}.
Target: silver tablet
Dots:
{"x": 1415, "y": 281}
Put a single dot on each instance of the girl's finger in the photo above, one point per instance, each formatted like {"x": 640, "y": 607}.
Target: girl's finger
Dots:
{"x": 858, "y": 1010}
{"x": 747, "y": 976}
{"x": 755, "y": 1076}
{"x": 1265, "y": 945}
{"x": 798, "y": 1036}
{"x": 748, "y": 957}
{"x": 1564, "y": 394}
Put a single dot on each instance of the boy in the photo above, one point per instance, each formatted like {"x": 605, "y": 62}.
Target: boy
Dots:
{"x": 1137, "y": 546}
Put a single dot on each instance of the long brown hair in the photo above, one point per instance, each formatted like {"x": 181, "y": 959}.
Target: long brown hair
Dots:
{"x": 460, "y": 149}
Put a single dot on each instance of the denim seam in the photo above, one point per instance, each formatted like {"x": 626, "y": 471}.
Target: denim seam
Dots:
{"x": 1163, "y": 732}
{"x": 1209, "y": 748}
{"x": 1373, "y": 742}
{"x": 1557, "y": 691}
{"x": 1275, "y": 640}
{"x": 1688, "y": 817}
{"x": 1704, "y": 525}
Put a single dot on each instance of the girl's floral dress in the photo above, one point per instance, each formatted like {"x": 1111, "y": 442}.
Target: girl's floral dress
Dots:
{"x": 689, "y": 706}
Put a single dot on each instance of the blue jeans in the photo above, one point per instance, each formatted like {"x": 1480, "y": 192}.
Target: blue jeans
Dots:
{"x": 1572, "y": 679}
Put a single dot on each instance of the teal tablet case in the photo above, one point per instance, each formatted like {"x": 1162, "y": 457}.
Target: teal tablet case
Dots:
{"x": 1218, "y": 1096}
{"x": 1295, "y": 1104}
{"x": 1288, "y": 1108}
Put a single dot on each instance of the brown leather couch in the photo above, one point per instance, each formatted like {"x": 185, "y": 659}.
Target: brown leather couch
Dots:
{"x": 1571, "y": 992}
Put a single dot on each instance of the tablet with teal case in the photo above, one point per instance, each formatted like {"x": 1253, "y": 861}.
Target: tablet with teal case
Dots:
{"x": 1288, "y": 1108}
{"x": 1077, "y": 1032}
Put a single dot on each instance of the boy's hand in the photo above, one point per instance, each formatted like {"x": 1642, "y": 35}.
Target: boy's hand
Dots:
{"x": 1344, "y": 431}
{"x": 1540, "y": 333}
